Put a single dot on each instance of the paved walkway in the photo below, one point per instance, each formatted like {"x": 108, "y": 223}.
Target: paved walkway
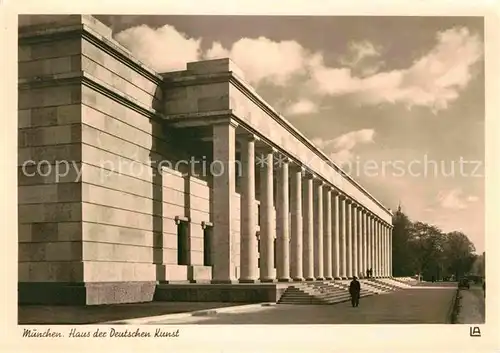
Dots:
{"x": 408, "y": 306}
{"x": 65, "y": 315}
{"x": 472, "y": 310}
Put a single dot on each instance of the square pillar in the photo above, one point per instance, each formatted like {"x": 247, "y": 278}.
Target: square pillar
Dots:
{"x": 223, "y": 170}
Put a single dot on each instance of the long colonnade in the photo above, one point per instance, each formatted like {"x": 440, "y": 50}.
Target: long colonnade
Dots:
{"x": 321, "y": 233}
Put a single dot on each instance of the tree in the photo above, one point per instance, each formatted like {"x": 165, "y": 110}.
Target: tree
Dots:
{"x": 401, "y": 252}
{"x": 422, "y": 248}
{"x": 460, "y": 253}
{"x": 427, "y": 243}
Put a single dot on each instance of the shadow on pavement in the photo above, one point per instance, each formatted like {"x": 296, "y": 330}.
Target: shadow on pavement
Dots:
{"x": 64, "y": 315}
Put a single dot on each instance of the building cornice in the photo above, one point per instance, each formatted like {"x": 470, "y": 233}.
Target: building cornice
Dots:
{"x": 238, "y": 83}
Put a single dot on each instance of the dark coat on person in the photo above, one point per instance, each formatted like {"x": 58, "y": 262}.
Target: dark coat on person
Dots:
{"x": 354, "y": 287}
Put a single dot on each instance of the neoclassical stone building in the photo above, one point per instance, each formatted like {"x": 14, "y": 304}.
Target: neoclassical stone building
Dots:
{"x": 133, "y": 182}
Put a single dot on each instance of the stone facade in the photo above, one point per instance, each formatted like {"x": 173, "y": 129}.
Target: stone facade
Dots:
{"x": 102, "y": 221}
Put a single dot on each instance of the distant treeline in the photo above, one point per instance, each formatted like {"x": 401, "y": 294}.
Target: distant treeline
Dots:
{"x": 421, "y": 248}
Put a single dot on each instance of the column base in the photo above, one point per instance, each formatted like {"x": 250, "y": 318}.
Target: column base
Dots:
{"x": 223, "y": 281}
{"x": 267, "y": 280}
{"x": 298, "y": 279}
{"x": 284, "y": 280}
{"x": 247, "y": 280}
{"x": 328, "y": 278}
{"x": 337, "y": 278}
{"x": 344, "y": 278}
{"x": 320, "y": 278}
{"x": 310, "y": 279}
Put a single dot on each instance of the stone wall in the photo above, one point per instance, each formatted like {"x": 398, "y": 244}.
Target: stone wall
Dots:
{"x": 111, "y": 223}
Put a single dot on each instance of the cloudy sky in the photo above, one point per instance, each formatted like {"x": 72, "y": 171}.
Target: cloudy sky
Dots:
{"x": 398, "y": 101}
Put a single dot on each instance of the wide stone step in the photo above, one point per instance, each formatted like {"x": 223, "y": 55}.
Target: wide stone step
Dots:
{"x": 319, "y": 293}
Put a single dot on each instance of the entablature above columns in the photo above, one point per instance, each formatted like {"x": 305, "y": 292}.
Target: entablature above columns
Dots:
{"x": 255, "y": 115}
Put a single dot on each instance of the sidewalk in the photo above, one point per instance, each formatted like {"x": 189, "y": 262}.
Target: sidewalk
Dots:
{"x": 411, "y": 306}
{"x": 64, "y": 315}
{"x": 472, "y": 309}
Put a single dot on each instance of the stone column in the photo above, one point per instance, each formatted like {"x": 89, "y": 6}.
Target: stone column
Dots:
{"x": 318, "y": 230}
{"x": 365, "y": 242}
{"x": 361, "y": 269}
{"x": 370, "y": 243}
{"x": 379, "y": 242}
{"x": 343, "y": 237}
{"x": 348, "y": 237}
{"x": 387, "y": 250}
{"x": 355, "y": 229}
{"x": 375, "y": 247}
{"x": 387, "y": 261}
{"x": 282, "y": 224}
{"x": 224, "y": 149}
{"x": 336, "y": 235}
{"x": 267, "y": 226}
{"x": 327, "y": 238}
{"x": 308, "y": 228}
{"x": 390, "y": 252}
{"x": 382, "y": 233}
{"x": 296, "y": 223}
{"x": 248, "y": 223}
{"x": 382, "y": 252}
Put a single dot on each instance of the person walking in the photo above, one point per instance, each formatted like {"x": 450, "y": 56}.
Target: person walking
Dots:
{"x": 355, "y": 291}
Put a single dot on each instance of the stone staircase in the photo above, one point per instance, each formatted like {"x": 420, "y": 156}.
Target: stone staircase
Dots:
{"x": 332, "y": 292}
{"x": 327, "y": 292}
{"x": 398, "y": 284}
{"x": 313, "y": 293}
{"x": 365, "y": 290}
{"x": 405, "y": 280}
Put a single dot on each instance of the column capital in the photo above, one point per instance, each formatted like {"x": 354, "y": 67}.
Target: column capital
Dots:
{"x": 308, "y": 174}
{"x": 328, "y": 188}
{"x": 319, "y": 182}
{"x": 281, "y": 158}
{"x": 265, "y": 149}
{"x": 335, "y": 191}
{"x": 296, "y": 168}
{"x": 248, "y": 136}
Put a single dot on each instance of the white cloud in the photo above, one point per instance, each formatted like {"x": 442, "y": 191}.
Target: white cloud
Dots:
{"x": 452, "y": 199}
{"x": 433, "y": 80}
{"x": 472, "y": 198}
{"x": 361, "y": 54}
{"x": 262, "y": 59}
{"x": 217, "y": 51}
{"x": 340, "y": 148}
{"x": 302, "y": 107}
{"x": 164, "y": 48}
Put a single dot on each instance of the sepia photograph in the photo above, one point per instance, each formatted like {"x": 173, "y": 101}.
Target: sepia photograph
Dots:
{"x": 250, "y": 169}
